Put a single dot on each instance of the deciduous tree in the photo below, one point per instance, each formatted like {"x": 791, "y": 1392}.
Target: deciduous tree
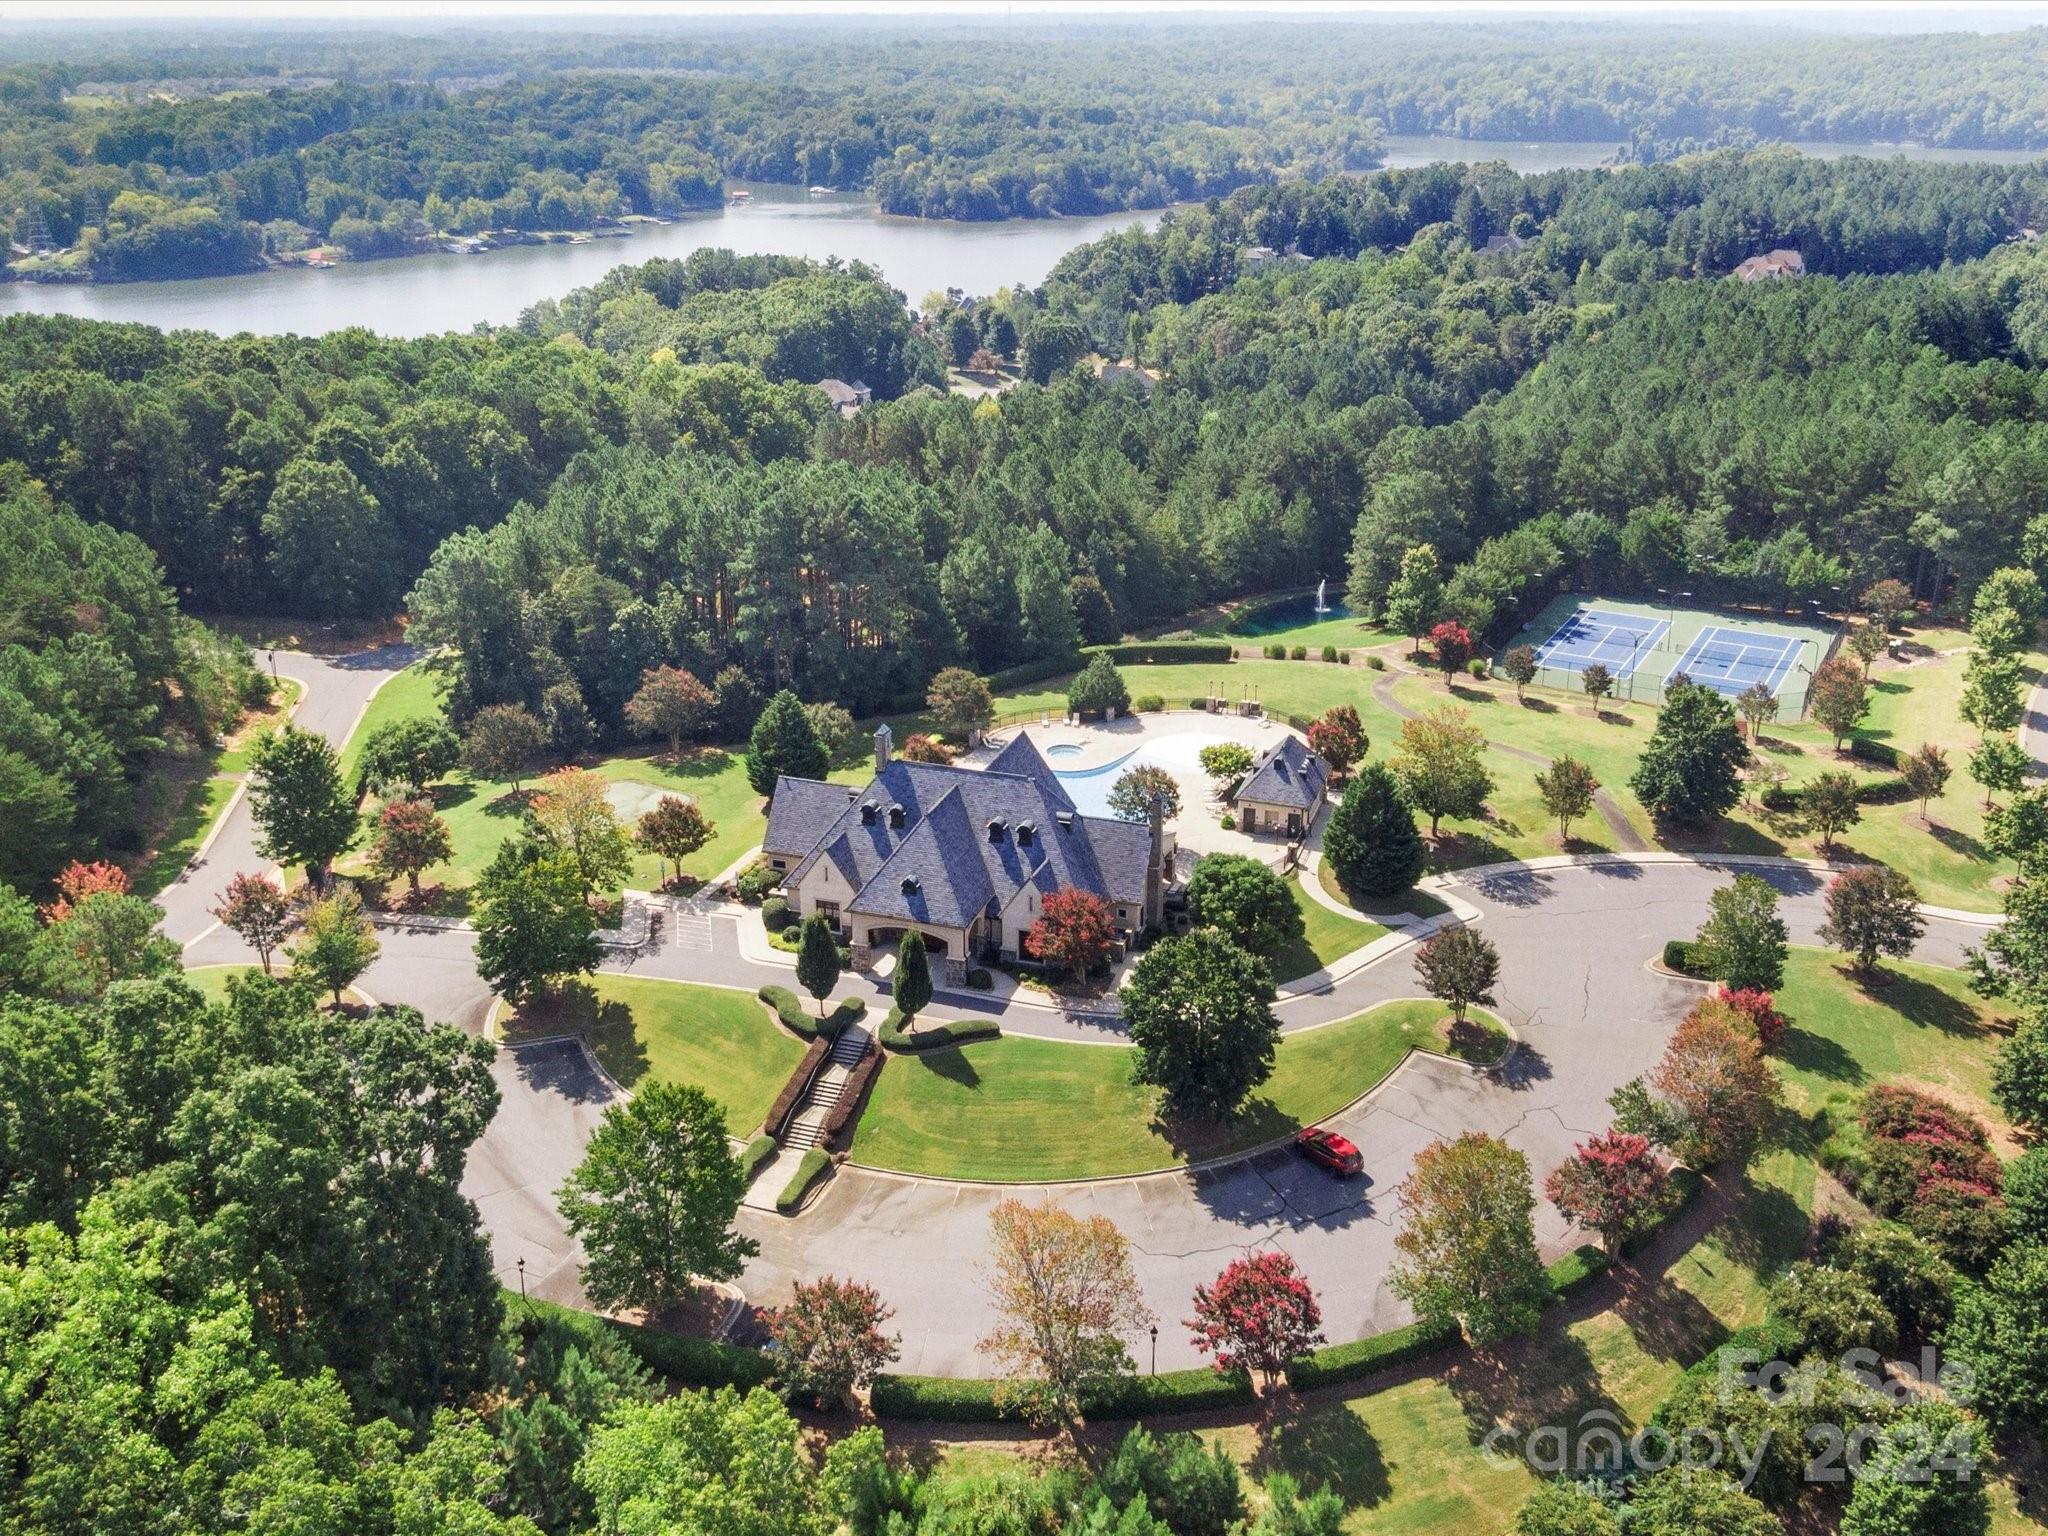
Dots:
{"x": 1139, "y": 791}
{"x": 1518, "y": 666}
{"x": 1467, "y": 1246}
{"x": 1758, "y": 706}
{"x": 1717, "y": 1089}
{"x": 1690, "y": 770}
{"x": 1338, "y": 737}
{"x": 1872, "y": 910}
{"x": 654, "y": 1198}
{"x": 1065, "y": 1299}
{"x": 1224, "y": 761}
{"x": 500, "y": 741}
{"x": 1246, "y": 902}
{"x": 1838, "y": 697}
{"x": 1925, "y": 774}
{"x": 410, "y": 838}
{"x": 671, "y": 702}
{"x": 336, "y": 943}
{"x": 572, "y": 814}
{"x": 1198, "y": 1011}
{"x": 1597, "y": 682}
{"x": 960, "y": 703}
{"x": 829, "y": 1339}
{"x": 1887, "y": 604}
{"x": 1614, "y": 1184}
{"x": 412, "y": 754}
{"x": 1074, "y": 932}
{"x": 1567, "y": 787}
{"x": 303, "y": 814}
{"x": 256, "y": 908}
{"x": 1994, "y": 692}
{"x": 672, "y": 829}
{"x": 1451, "y": 643}
{"x": 1415, "y": 598}
{"x": 1742, "y": 942}
{"x": 1830, "y": 805}
{"x": 2001, "y": 765}
{"x": 1257, "y": 1315}
{"x": 1866, "y": 642}
{"x": 533, "y": 921}
{"x": 1440, "y": 761}
{"x": 1458, "y": 967}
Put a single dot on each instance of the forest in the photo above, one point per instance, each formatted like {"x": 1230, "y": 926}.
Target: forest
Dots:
{"x": 412, "y": 136}
{"x": 642, "y": 473}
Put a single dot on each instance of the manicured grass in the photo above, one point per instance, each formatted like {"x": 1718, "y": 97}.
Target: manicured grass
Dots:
{"x": 1918, "y": 1024}
{"x": 211, "y": 981}
{"x": 1326, "y": 936}
{"x": 1410, "y": 903}
{"x": 671, "y": 1031}
{"x": 1021, "y": 1109}
{"x": 481, "y": 814}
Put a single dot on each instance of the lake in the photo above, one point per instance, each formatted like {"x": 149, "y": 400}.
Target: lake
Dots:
{"x": 418, "y": 295}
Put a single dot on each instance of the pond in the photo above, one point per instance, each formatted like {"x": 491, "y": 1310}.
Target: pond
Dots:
{"x": 1288, "y": 613}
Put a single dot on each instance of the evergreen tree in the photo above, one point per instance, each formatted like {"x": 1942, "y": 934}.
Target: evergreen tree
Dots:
{"x": 911, "y": 987}
{"x": 784, "y": 742}
{"x": 817, "y": 960}
{"x": 1371, "y": 839}
{"x": 1691, "y": 768}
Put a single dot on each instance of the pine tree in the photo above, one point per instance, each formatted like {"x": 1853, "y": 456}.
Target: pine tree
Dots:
{"x": 1371, "y": 840}
{"x": 784, "y": 742}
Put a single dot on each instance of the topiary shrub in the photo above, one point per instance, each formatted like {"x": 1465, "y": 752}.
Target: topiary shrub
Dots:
{"x": 1275, "y": 651}
{"x": 808, "y": 1172}
{"x": 1299, "y": 653}
{"x": 1229, "y": 822}
{"x": 979, "y": 979}
{"x": 1377, "y": 663}
{"x": 1329, "y": 653}
{"x": 799, "y": 1020}
{"x": 933, "y": 1035}
{"x": 1678, "y": 956}
{"x": 775, "y": 914}
{"x": 1148, "y": 704}
{"x": 1476, "y": 666}
{"x": 758, "y": 1151}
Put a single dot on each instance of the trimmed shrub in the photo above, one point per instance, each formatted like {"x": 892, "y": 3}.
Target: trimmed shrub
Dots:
{"x": 813, "y": 1166}
{"x": 1275, "y": 651}
{"x": 1377, "y": 663}
{"x": 1148, "y": 704}
{"x": 1329, "y": 653}
{"x": 843, "y": 1113}
{"x": 799, "y": 1020}
{"x": 1020, "y": 675}
{"x": 973, "y": 1401}
{"x": 690, "y": 1362}
{"x": 1882, "y": 753}
{"x": 1299, "y": 653}
{"x": 1228, "y": 823}
{"x": 758, "y": 1151}
{"x": 1931, "y": 1167}
{"x": 791, "y": 942}
{"x": 1163, "y": 652}
{"x": 798, "y": 1080}
{"x": 979, "y": 979}
{"x": 775, "y": 914}
{"x": 755, "y": 881}
{"x": 1477, "y": 666}
{"x": 1678, "y": 956}
{"x": 1348, "y": 1362}
{"x": 931, "y": 1036}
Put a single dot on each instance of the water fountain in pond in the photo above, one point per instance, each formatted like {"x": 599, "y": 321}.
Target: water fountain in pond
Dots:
{"x": 1321, "y": 606}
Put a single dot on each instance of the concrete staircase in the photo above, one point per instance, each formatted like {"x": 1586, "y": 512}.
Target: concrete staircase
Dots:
{"x": 807, "y": 1125}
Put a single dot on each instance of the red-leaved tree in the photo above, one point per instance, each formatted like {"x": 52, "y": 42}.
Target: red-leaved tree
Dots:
{"x": 1615, "y": 1185}
{"x": 1757, "y": 1010}
{"x": 1452, "y": 643}
{"x": 829, "y": 1339}
{"x": 1338, "y": 737}
{"x": 1074, "y": 932}
{"x": 1256, "y": 1316}
{"x": 256, "y": 907}
{"x": 76, "y": 881}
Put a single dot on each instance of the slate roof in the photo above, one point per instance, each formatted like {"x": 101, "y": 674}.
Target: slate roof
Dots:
{"x": 940, "y": 867}
{"x": 802, "y": 812}
{"x": 1288, "y": 774}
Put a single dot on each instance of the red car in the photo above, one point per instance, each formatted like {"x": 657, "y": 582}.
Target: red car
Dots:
{"x": 1329, "y": 1150}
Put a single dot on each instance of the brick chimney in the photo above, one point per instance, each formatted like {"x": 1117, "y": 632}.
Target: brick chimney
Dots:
{"x": 884, "y": 739}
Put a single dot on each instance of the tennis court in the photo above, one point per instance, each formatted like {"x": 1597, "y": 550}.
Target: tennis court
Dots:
{"x": 1731, "y": 661}
{"x": 1620, "y": 642}
{"x": 1644, "y": 645}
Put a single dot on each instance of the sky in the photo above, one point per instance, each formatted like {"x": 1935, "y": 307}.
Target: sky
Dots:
{"x": 1876, "y": 15}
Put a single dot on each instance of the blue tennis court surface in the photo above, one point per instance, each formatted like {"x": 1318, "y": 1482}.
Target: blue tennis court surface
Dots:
{"x": 1732, "y": 660}
{"x": 1620, "y": 642}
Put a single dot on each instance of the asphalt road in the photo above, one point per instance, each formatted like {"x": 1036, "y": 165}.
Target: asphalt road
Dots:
{"x": 337, "y": 691}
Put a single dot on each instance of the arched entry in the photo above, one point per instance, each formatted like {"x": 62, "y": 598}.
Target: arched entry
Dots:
{"x": 888, "y": 938}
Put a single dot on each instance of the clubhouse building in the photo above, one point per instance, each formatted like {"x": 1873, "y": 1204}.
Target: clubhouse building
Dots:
{"x": 966, "y": 856}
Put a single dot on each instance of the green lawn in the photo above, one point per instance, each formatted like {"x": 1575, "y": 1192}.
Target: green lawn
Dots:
{"x": 1407, "y": 1453}
{"x": 1018, "y": 1109}
{"x": 710, "y": 1037}
{"x": 211, "y": 981}
{"x": 1326, "y": 936}
{"x": 481, "y": 814}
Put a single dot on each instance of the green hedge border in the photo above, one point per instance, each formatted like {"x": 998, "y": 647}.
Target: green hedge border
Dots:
{"x": 800, "y": 1021}
{"x": 930, "y": 1037}
{"x": 693, "y": 1362}
{"x": 757, "y": 1153}
{"x": 814, "y": 1164}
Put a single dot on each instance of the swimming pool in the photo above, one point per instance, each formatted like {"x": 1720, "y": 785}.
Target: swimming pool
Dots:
{"x": 1179, "y": 754}
{"x": 1064, "y": 749}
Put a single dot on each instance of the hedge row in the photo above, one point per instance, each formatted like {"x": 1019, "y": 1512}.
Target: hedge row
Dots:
{"x": 758, "y": 1151}
{"x": 1129, "y": 653}
{"x": 1361, "y": 1357}
{"x": 814, "y": 1163}
{"x": 930, "y": 1037}
{"x": 691, "y": 1362}
{"x": 799, "y": 1080}
{"x": 799, "y": 1020}
{"x": 1680, "y": 956}
{"x": 841, "y": 1115}
{"x": 949, "y": 1399}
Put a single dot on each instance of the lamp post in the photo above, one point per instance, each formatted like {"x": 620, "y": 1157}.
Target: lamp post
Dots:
{"x": 1155, "y": 1349}
{"x": 522, "y": 1283}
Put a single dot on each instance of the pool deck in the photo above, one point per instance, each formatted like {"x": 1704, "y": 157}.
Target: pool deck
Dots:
{"x": 1102, "y": 743}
